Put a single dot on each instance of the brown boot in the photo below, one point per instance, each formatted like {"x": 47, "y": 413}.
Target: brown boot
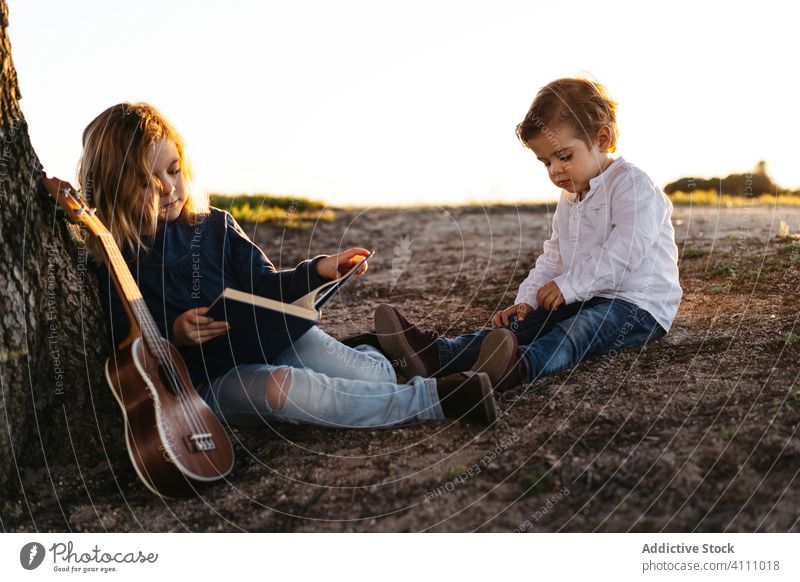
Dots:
{"x": 413, "y": 349}
{"x": 500, "y": 359}
{"x": 467, "y": 396}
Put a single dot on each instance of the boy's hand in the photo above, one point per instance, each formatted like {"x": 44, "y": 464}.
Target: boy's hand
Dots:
{"x": 334, "y": 266}
{"x": 549, "y": 296}
{"x": 192, "y": 328}
{"x": 521, "y": 310}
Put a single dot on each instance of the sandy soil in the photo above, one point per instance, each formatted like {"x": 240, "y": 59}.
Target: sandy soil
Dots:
{"x": 697, "y": 432}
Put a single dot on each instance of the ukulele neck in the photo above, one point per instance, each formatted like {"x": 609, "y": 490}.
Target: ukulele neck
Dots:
{"x": 142, "y": 322}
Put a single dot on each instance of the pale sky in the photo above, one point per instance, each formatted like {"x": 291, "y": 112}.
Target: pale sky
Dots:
{"x": 407, "y": 102}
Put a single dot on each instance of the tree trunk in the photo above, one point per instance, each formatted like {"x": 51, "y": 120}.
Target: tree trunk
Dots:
{"x": 56, "y": 412}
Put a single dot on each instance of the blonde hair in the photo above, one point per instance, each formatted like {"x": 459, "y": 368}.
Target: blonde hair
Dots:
{"x": 580, "y": 104}
{"x": 114, "y": 169}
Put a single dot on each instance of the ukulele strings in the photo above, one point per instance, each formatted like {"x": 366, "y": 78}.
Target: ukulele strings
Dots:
{"x": 175, "y": 379}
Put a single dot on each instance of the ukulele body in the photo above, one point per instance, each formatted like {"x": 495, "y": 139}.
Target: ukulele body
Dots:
{"x": 175, "y": 442}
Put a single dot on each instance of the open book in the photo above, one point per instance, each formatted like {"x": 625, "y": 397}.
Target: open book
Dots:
{"x": 262, "y": 328}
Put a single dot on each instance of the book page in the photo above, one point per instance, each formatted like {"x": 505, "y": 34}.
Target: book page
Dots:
{"x": 319, "y": 296}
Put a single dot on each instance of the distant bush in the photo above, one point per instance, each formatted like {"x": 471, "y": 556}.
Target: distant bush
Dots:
{"x": 282, "y": 211}
{"x": 748, "y": 185}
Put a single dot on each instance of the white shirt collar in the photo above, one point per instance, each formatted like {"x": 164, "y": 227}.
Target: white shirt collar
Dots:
{"x": 594, "y": 182}
{"x": 603, "y": 175}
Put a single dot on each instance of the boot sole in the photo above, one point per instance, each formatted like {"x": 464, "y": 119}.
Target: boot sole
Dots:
{"x": 497, "y": 351}
{"x": 393, "y": 341}
{"x": 488, "y": 402}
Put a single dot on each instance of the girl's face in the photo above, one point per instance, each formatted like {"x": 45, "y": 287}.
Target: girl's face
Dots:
{"x": 569, "y": 161}
{"x": 165, "y": 163}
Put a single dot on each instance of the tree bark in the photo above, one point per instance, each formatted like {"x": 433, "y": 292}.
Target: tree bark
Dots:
{"x": 57, "y": 416}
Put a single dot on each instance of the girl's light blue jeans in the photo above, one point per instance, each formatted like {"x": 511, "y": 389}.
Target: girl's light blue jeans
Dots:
{"x": 552, "y": 341}
{"x": 328, "y": 384}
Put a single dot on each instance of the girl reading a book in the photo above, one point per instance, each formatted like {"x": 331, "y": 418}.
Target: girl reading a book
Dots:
{"x": 135, "y": 171}
{"x": 608, "y": 276}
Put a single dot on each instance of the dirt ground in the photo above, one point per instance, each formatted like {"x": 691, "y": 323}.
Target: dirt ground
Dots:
{"x": 695, "y": 432}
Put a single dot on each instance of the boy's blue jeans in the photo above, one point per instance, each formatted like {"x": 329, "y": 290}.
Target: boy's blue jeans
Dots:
{"x": 552, "y": 341}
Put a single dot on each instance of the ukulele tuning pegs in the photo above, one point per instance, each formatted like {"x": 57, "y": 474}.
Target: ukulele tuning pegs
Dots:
{"x": 70, "y": 215}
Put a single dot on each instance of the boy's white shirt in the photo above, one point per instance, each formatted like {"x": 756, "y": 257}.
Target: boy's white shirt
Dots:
{"x": 617, "y": 242}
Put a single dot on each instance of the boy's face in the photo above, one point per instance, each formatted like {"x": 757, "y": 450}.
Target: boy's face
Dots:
{"x": 165, "y": 163}
{"x": 569, "y": 161}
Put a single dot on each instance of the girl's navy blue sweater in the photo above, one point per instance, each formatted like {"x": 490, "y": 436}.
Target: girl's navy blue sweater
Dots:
{"x": 188, "y": 266}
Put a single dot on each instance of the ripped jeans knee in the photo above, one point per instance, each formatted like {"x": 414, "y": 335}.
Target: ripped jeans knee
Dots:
{"x": 278, "y": 383}
{"x": 252, "y": 394}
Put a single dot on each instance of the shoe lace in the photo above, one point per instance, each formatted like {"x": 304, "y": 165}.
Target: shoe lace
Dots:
{"x": 429, "y": 334}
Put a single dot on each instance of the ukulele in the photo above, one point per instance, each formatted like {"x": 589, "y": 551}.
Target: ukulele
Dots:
{"x": 175, "y": 442}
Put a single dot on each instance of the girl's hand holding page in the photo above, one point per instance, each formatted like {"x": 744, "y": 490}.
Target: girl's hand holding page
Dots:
{"x": 334, "y": 266}
{"x": 192, "y": 328}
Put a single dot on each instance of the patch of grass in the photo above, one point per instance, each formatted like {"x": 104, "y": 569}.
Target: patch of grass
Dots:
{"x": 756, "y": 272}
{"x": 692, "y": 252}
{"x": 724, "y": 430}
{"x": 281, "y": 217}
{"x": 282, "y": 211}
{"x": 794, "y": 254}
{"x": 725, "y": 268}
{"x": 537, "y": 482}
{"x": 772, "y": 263}
{"x": 747, "y": 269}
{"x": 789, "y": 341}
{"x": 711, "y": 198}
{"x": 770, "y": 345}
{"x": 793, "y": 401}
{"x": 720, "y": 288}
{"x": 229, "y": 201}
{"x": 792, "y": 341}
{"x": 717, "y": 341}
{"x": 454, "y": 472}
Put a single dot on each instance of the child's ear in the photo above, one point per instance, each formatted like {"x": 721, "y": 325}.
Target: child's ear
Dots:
{"x": 604, "y": 139}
